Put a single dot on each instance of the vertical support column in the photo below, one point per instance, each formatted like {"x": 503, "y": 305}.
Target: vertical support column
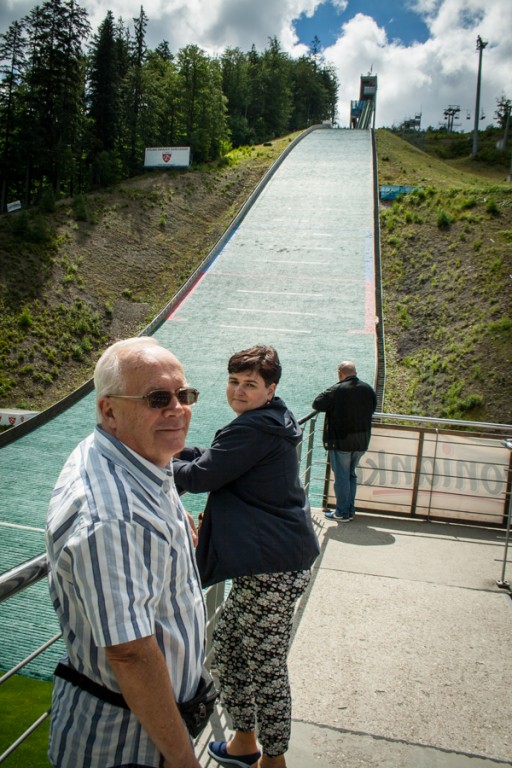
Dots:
{"x": 502, "y": 582}
{"x": 480, "y": 45}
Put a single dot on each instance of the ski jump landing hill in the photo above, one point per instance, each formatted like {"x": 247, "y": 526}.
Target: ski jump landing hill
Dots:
{"x": 296, "y": 270}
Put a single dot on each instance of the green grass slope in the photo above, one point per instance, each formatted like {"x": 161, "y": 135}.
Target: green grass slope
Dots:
{"x": 100, "y": 267}
{"x": 446, "y": 275}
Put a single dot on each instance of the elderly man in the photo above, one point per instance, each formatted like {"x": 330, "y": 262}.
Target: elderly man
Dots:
{"x": 123, "y": 579}
{"x": 348, "y": 406}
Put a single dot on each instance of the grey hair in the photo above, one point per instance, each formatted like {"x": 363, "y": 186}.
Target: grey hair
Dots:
{"x": 109, "y": 376}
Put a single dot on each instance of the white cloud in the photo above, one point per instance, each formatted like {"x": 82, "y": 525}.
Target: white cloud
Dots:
{"x": 428, "y": 77}
{"x": 424, "y": 77}
{"x": 340, "y": 5}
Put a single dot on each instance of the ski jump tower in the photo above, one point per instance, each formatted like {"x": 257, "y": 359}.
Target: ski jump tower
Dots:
{"x": 362, "y": 112}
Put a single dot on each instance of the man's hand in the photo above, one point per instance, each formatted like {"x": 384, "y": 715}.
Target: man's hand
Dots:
{"x": 143, "y": 677}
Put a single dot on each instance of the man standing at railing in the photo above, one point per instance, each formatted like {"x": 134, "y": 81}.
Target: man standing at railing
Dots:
{"x": 123, "y": 579}
{"x": 348, "y": 406}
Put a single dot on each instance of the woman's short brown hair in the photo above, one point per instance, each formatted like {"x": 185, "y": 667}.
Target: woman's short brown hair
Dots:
{"x": 260, "y": 358}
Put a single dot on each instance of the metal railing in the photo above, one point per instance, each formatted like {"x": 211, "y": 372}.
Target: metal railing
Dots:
{"x": 25, "y": 575}
{"x": 412, "y": 467}
{"x": 435, "y": 469}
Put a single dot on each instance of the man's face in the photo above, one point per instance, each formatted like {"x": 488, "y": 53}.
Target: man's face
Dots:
{"x": 156, "y": 434}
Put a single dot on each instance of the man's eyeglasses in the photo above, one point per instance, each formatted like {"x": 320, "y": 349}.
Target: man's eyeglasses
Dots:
{"x": 161, "y": 398}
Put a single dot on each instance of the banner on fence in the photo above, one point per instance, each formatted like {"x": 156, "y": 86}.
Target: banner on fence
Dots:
{"x": 437, "y": 474}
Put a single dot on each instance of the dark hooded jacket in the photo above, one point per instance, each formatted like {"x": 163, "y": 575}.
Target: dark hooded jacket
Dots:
{"x": 257, "y": 517}
{"x": 349, "y": 406}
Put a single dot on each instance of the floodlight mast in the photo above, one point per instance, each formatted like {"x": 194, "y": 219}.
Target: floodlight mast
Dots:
{"x": 480, "y": 45}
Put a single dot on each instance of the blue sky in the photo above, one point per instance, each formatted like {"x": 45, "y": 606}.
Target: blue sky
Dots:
{"x": 422, "y": 51}
{"x": 399, "y": 22}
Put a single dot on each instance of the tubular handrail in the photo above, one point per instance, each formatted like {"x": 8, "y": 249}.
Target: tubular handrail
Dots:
{"x": 24, "y": 736}
{"x": 485, "y": 425}
{"x": 32, "y": 571}
{"x": 22, "y": 576}
{"x": 30, "y": 657}
{"x": 429, "y": 468}
{"x": 378, "y": 417}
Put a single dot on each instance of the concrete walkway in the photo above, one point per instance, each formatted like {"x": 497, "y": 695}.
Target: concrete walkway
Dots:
{"x": 402, "y": 651}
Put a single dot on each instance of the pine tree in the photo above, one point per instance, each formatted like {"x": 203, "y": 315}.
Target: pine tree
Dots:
{"x": 104, "y": 82}
{"x": 159, "y": 114}
{"x": 503, "y": 110}
{"x": 276, "y": 76}
{"x": 236, "y": 85}
{"x": 55, "y": 81}
{"x": 135, "y": 89}
{"x": 12, "y": 54}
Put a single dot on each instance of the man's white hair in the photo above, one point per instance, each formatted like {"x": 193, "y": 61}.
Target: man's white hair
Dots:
{"x": 109, "y": 375}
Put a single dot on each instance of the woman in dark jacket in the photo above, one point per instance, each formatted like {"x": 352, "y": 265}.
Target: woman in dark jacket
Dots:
{"x": 256, "y": 531}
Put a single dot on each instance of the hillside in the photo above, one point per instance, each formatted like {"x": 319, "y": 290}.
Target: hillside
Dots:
{"x": 446, "y": 276}
{"x": 101, "y": 268}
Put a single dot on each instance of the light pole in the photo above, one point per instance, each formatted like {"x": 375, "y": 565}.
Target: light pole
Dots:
{"x": 480, "y": 45}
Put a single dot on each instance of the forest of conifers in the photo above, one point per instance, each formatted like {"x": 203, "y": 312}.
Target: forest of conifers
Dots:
{"x": 78, "y": 109}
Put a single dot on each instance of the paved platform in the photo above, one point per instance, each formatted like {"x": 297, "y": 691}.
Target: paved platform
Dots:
{"x": 402, "y": 651}
{"x": 403, "y": 646}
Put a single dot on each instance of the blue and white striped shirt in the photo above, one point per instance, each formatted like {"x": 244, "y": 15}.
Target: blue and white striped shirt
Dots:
{"x": 122, "y": 567}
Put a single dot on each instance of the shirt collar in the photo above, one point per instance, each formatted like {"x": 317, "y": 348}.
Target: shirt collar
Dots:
{"x": 113, "y": 448}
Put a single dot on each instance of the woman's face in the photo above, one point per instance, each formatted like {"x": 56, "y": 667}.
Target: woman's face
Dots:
{"x": 247, "y": 390}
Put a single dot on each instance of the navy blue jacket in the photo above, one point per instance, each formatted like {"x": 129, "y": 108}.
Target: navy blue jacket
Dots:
{"x": 349, "y": 406}
{"x": 257, "y": 517}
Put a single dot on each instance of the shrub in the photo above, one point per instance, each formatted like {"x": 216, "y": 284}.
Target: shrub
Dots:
{"x": 47, "y": 202}
{"x": 468, "y": 202}
{"x": 107, "y": 169}
{"x": 32, "y": 229}
{"x": 25, "y": 319}
{"x": 20, "y": 225}
{"x": 444, "y": 220}
{"x": 501, "y": 326}
{"x": 77, "y": 352}
{"x": 40, "y": 230}
{"x": 491, "y": 207}
{"x": 80, "y": 208}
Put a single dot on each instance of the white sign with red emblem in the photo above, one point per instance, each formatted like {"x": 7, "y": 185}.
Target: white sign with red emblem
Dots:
{"x": 11, "y": 417}
{"x": 167, "y": 157}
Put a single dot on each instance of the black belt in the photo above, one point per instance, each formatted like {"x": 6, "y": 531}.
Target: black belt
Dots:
{"x": 86, "y": 684}
{"x": 195, "y": 712}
